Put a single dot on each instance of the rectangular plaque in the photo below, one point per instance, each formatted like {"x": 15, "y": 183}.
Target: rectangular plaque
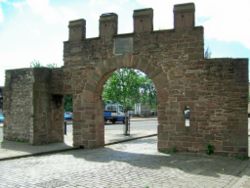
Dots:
{"x": 123, "y": 45}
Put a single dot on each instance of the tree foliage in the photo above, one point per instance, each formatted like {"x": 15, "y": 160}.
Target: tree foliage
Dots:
{"x": 148, "y": 93}
{"x": 51, "y": 65}
{"x": 208, "y": 53}
{"x": 37, "y": 64}
{"x": 68, "y": 103}
{"x": 128, "y": 86}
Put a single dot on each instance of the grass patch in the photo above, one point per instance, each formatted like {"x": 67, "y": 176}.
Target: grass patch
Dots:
{"x": 242, "y": 157}
{"x": 169, "y": 150}
{"x": 210, "y": 149}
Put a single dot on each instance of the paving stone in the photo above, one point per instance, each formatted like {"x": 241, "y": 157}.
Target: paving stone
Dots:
{"x": 133, "y": 164}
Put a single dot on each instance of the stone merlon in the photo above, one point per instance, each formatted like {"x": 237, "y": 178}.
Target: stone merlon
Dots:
{"x": 184, "y": 18}
{"x": 77, "y": 30}
{"x": 143, "y": 20}
{"x": 108, "y": 25}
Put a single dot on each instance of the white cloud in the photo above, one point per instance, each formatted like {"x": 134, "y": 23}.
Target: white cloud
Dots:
{"x": 24, "y": 38}
{"x": 43, "y": 9}
{"x": 52, "y": 14}
{"x": 19, "y": 5}
{"x": 228, "y": 20}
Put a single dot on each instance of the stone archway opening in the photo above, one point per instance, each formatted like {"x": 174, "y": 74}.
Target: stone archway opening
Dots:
{"x": 127, "y": 92}
{"x": 68, "y": 120}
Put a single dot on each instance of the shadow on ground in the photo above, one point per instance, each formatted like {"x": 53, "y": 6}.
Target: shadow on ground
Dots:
{"x": 152, "y": 159}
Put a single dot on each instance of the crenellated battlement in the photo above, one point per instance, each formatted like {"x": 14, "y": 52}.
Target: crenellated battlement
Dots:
{"x": 184, "y": 37}
{"x": 184, "y": 18}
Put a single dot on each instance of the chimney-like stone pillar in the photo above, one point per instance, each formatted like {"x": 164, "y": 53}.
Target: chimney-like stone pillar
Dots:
{"x": 184, "y": 16}
{"x": 77, "y": 30}
{"x": 143, "y": 20}
{"x": 108, "y": 25}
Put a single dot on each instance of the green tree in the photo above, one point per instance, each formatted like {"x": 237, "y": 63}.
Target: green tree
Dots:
{"x": 148, "y": 93}
{"x": 68, "y": 103}
{"x": 128, "y": 86}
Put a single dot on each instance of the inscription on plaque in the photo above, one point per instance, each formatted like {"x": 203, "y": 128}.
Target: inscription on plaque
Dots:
{"x": 123, "y": 45}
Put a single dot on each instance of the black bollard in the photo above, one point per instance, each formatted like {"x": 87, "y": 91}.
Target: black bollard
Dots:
{"x": 127, "y": 125}
{"x": 65, "y": 127}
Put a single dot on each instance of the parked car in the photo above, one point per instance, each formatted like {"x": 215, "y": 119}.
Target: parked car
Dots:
{"x": 114, "y": 112}
{"x": 1, "y": 117}
{"x": 68, "y": 115}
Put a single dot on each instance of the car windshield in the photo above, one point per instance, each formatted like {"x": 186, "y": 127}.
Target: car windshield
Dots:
{"x": 112, "y": 108}
{"x": 121, "y": 108}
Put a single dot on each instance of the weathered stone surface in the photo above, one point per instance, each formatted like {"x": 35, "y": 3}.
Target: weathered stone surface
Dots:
{"x": 18, "y": 104}
{"x": 32, "y": 111}
{"x": 216, "y": 90}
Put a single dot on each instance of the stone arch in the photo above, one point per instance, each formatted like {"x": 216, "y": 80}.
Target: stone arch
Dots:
{"x": 92, "y": 127}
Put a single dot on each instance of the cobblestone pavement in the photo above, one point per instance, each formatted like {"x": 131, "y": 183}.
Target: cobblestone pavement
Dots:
{"x": 131, "y": 164}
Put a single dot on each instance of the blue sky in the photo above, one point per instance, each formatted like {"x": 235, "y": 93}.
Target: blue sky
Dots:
{"x": 35, "y": 29}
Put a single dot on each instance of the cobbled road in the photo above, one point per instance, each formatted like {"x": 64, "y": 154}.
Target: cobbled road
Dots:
{"x": 131, "y": 164}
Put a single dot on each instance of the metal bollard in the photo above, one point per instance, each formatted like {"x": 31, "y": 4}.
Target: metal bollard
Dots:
{"x": 127, "y": 125}
{"x": 65, "y": 127}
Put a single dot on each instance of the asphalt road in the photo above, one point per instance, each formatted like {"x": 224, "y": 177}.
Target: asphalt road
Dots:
{"x": 135, "y": 125}
{"x": 139, "y": 127}
{"x": 115, "y": 132}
